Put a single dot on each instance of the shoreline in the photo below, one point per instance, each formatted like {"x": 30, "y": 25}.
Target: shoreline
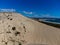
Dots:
{"x": 51, "y": 24}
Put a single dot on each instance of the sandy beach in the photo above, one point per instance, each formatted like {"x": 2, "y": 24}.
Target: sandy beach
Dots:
{"x": 32, "y": 32}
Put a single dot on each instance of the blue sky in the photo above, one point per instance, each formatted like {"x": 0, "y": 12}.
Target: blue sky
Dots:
{"x": 33, "y": 8}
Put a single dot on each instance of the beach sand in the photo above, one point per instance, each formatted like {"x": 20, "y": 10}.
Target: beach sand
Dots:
{"x": 31, "y": 32}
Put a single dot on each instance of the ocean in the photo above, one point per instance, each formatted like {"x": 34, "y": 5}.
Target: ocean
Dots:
{"x": 53, "y": 20}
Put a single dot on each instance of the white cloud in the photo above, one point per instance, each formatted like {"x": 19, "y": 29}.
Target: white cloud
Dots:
{"x": 27, "y": 12}
{"x": 7, "y": 10}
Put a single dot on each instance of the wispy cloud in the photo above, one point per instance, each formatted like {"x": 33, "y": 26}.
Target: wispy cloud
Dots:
{"x": 7, "y": 10}
{"x": 46, "y": 15}
{"x": 27, "y": 12}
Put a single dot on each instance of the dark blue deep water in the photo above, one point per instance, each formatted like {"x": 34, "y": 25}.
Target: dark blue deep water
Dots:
{"x": 53, "y": 20}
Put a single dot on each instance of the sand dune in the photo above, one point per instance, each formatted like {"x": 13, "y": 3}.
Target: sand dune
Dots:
{"x": 30, "y": 31}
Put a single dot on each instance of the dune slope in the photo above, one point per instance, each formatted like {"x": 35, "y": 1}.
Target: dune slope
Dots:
{"x": 16, "y": 29}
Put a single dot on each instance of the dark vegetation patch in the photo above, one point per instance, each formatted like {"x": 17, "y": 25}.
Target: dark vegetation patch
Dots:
{"x": 24, "y": 28}
{"x": 20, "y": 44}
{"x": 8, "y": 18}
{"x": 8, "y": 32}
{"x": 11, "y": 19}
{"x": 13, "y": 28}
{"x": 16, "y": 33}
{"x": 6, "y": 43}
